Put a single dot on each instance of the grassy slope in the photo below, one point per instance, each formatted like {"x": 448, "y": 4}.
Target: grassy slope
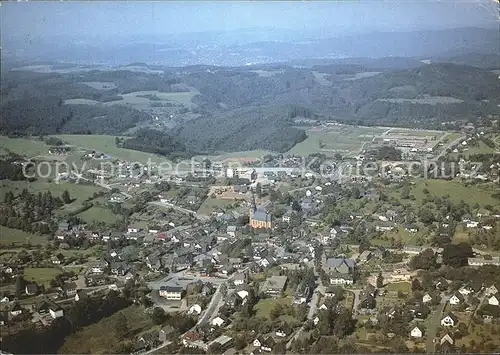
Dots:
{"x": 100, "y": 338}
{"x": 9, "y": 236}
{"x": 107, "y": 145}
{"x": 22, "y": 146}
{"x": 41, "y": 275}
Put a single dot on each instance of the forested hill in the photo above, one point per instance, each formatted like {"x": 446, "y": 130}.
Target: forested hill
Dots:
{"x": 227, "y": 109}
{"x": 264, "y": 127}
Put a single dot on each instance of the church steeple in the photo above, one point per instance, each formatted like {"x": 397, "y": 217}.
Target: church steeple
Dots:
{"x": 253, "y": 207}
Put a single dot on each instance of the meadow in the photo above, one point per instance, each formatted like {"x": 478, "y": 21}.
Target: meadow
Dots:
{"x": 106, "y": 144}
{"x": 79, "y": 192}
{"x": 16, "y": 236}
{"x": 213, "y": 204}
{"x": 137, "y": 100}
{"x": 100, "y": 338}
{"x": 341, "y": 139}
{"x": 42, "y": 275}
{"x": 23, "y": 146}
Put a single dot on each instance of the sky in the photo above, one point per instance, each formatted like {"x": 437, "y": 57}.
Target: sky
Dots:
{"x": 121, "y": 18}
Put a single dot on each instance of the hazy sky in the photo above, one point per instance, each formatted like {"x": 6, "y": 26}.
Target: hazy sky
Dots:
{"x": 89, "y": 18}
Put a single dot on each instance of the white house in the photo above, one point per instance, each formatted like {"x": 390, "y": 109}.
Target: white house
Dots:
{"x": 280, "y": 333}
{"x": 472, "y": 224}
{"x": 133, "y": 229}
{"x": 416, "y": 332}
{"x": 316, "y": 320}
{"x": 427, "y": 298}
{"x": 491, "y": 290}
{"x": 242, "y": 294}
{"x": 56, "y": 311}
{"x": 447, "y": 338}
{"x": 239, "y": 279}
{"x": 323, "y": 307}
{"x": 5, "y": 299}
{"x": 257, "y": 342}
{"x": 493, "y": 300}
{"x": 194, "y": 309}
{"x": 449, "y": 320}
{"x": 218, "y": 321}
{"x": 454, "y": 300}
{"x": 465, "y": 291}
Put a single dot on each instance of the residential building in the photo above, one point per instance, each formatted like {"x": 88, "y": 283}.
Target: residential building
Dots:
{"x": 447, "y": 338}
{"x": 166, "y": 333}
{"x": 274, "y": 285}
{"x": 416, "y": 332}
{"x": 31, "y": 288}
{"x": 223, "y": 341}
{"x": 426, "y": 298}
{"x": 340, "y": 270}
{"x": 494, "y": 300}
{"x": 456, "y": 299}
{"x": 219, "y": 321}
{"x": 239, "y": 279}
{"x": 194, "y": 309}
{"x": 69, "y": 289}
{"x": 173, "y": 293}
{"x": 449, "y": 320}
{"x": 492, "y": 290}
{"x": 302, "y": 293}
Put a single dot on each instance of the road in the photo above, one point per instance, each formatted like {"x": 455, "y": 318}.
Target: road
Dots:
{"x": 180, "y": 209}
{"x": 212, "y": 308}
{"x": 356, "y": 301}
{"x": 449, "y": 145}
{"x": 434, "y": 325}
{"x": 313, "y": 305}
{"x": 107, "y": 187}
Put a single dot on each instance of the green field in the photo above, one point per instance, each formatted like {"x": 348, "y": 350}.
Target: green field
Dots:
{"x": 399, "y": 286}
{"x": 213, "y": 204}
{"x": 100, "y": 338}
{"x": 100, "y": 85}
{"x": 342, "y": 139}
{"x": 79, "y": 192}
{"x": 41, "y": 275}
{"x": 456, "y": 190}
{"x": 98, "y": 213}
{"x": 23, "y": 146}
{"x": 427, "y": 101}
{"x": 16, "y": 236}
{"x": 134, "y": 100}
{"x": 264, "y": 306}
{"x": 106, "y": 144}
{"x": 258, "y": 153}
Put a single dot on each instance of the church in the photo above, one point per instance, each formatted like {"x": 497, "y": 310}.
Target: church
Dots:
{"x": 260, "y": 216}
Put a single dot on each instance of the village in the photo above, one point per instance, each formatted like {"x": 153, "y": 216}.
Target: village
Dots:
{"x": 269, "y": 258}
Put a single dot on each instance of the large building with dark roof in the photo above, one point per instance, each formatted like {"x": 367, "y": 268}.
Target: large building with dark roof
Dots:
{"x": 260, "y": 216}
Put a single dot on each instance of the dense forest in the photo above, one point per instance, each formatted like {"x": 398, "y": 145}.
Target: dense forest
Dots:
{"x": 151, "y": 141}
{"x": 243, "y": 129}
{"x": 243, "y": 109}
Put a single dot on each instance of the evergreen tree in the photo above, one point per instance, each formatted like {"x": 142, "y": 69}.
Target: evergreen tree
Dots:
{"x": 380, "y": 280}
{"x": 65, "y": 197}
{"x": 121, "y": 326}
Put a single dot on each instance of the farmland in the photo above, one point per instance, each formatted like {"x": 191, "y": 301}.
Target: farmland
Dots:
{"x": 79, "y": 192}
{"x": 341, "y": 139}
{"x": 42, "y": 275}
{"x": 455, "y": 190}
{"x": 22, "y": 146}
{"x": 99, "y": 338}
{"x": 106, "y": 144}
{"x": 141, "y": 100}
{"x": 213, "y": 204}
{"x": 16, "y": 236}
